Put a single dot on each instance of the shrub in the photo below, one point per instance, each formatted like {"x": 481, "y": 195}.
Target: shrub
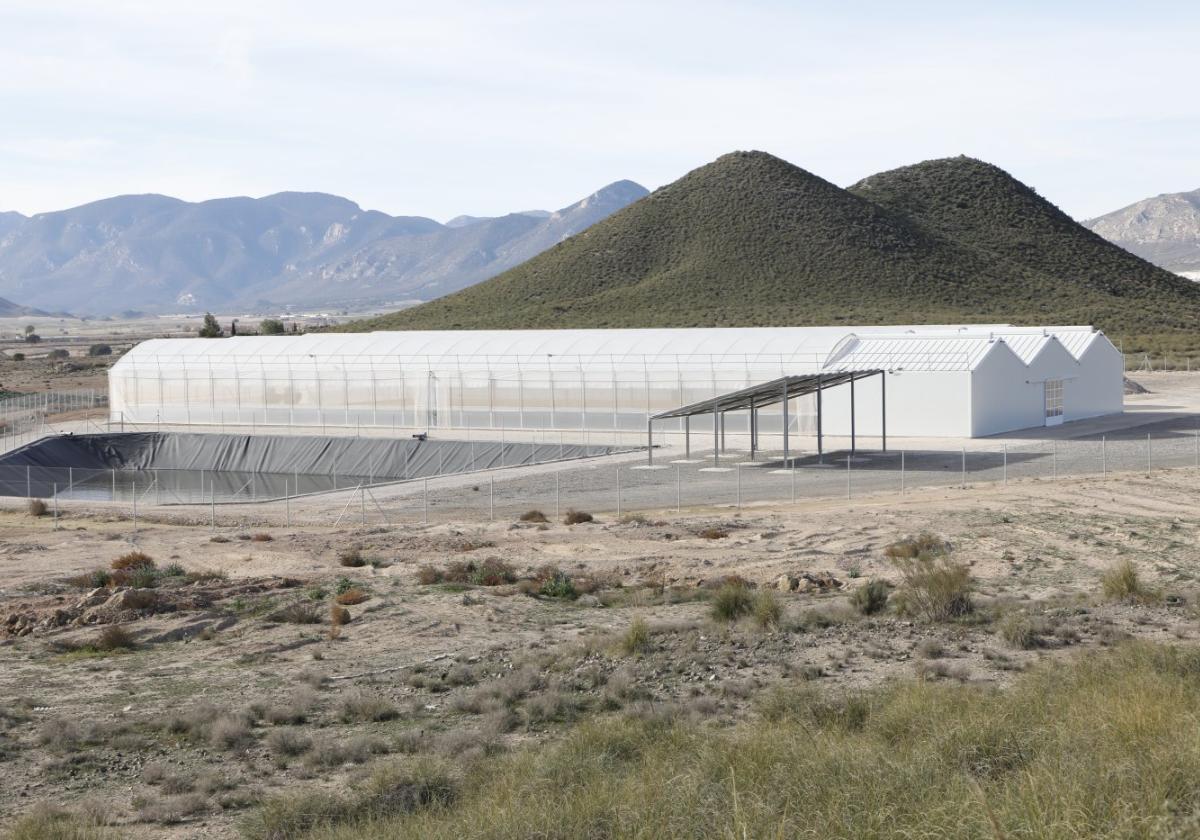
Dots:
{"x": 18, "y": 357}
{"x": 533, "y": 516}
{"x": 288, "y": 742}
{"x": 100, "y": 350}
{"x": 297, "y": 613}
{"x": 351, "y": 597}
{"x": 351, "y": 558}
{"x": 637, "y": 638}
{"x": 490, "y": 572}
{"x": 714, "y": 533}
{"x": 365, "y": 706}
{"x": 558, "y": 585}
{"x": 58, "y": 353}
{"x": 731, "y": 602}
{"x": 114, "y": 637}
{"x": 36, "y": 507}
{"x": 338, "y": 617}
{"x": 1123, "y": 583}
{"x": 871, "y": 597}
{"x": 133, "y": 560}
{"x": 427, "y": 575}
{"x": 767, "y": 609}
{"x": 48, "y": 822}
{"x": 910, "y": 548}
{"x": 229, "y": 732}
{"x": 933, "y": 586}
{"x": 577, "y": 517}
{"x": 261, "y": 537}
{"x": 1018, "y": 631}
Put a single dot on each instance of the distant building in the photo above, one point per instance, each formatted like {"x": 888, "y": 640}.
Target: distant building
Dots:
{"x": 955, "y": 381}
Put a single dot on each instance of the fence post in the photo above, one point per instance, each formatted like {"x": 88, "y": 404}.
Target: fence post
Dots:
{"x": 1054, "y": 459}
{"x": 678, "y": 489}
{"x": 618, "y": 492}
{"x": 739, "y": 484}
{"x": 425, "y": 501}
{"x": 1196, "y": 437}
{"x": 793, "y": 481}
{"x": 557, "y": 497}
{"x": 847, "y": 476}
{"x": 135, "y": 508}
{"x": 114, "y": 486}
{"x": 1149, "y": 457}
{"x": 964, "y": 468}
{"x": 492, "y": 497}
{"x": 287, "y": 504}
{"x": 901, "y": 472}
{"x": 1103, "y": 459}
{"x": 56, "y": 507}
{"x": 28, "y": 485}
{"x": 362, "y": 505}
{"x": 1006, "y": 465}
{"x": 212, "y": 488}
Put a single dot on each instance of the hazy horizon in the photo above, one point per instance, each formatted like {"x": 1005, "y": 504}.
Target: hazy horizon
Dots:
{"x": 482, "y": 111}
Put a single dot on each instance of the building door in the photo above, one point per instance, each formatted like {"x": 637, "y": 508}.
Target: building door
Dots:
{"x": 1054, "y": 402}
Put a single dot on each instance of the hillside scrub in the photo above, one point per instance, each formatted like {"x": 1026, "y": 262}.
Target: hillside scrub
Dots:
{"x": 1102, "y": 747}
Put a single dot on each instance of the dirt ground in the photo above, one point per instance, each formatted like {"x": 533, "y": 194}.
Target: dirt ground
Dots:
{"x": 234, "y": 684}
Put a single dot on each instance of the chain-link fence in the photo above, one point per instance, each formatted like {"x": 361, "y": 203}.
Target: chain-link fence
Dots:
{"x": 611, "y": 487}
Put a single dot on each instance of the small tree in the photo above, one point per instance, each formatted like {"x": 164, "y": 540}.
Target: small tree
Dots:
{"x": 29, "y": 329}
{"x": 100, "y": 350}
{"x": 32, "y": 338}
{"x": 210, "y": 329}
{"x": 271, "y": 326}
{"x": 58, "y": 353}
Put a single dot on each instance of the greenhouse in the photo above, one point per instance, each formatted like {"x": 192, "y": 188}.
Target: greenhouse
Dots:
{"x": 959, "y": 381}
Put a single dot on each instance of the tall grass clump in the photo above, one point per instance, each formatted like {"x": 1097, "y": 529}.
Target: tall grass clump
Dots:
{"x": 1103, "y": 746}
{"x": 766, "y": 609}
{"x": 933, "y": 585}
{"x": 871, "y": 597}
{"x": 731, "y": 602}
{"x": 1122, "y": 582}
{"x": 637, "y": 638}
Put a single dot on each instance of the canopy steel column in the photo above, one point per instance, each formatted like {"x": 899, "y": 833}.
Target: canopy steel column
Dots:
{"x": 650, "y": 441}
{"x": 883, "y": 407}
{"x": 687, "y": 437}
{"x": 820, "y": 426}
{"x": 785, "y": 424}
{"x": 722, "y": 431}
{"x": 853, "y": 437}
{"x": 753, "y": 428}
{"x": 716, "y": 438}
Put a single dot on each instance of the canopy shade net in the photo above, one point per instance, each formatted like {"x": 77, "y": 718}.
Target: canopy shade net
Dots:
{"x": 593, "y": 381}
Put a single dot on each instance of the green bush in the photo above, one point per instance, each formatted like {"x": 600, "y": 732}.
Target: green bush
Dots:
{"x": 871, "y": 597}
{"x": 100, "y": 350}
{"x": 731, "y": 602}
{"x": 558, "y": 585}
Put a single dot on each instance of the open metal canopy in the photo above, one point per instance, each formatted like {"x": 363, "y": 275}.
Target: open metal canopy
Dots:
{"x": 775, "y": 391}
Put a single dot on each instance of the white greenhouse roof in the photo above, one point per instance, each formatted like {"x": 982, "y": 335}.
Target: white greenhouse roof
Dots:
{"x": 799, "y": 349}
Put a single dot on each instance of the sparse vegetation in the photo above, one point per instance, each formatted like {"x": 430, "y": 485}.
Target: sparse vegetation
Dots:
{"x": 1019, "y": 631}
{"x": 731, "y": 602}
{"x": 351, "y": 557}
{"x": 713, "y": 533}
{"x": 871, "y": 597}
{"x": 766, "y": 609}
{"x": 351, "y": 597}
{"x": 636, "y": 639}
{"x": 36, "y": 507}
{"x": 1122, "y": 582}
{"x": 533, "y": 516}
{"x": 933, "y": 585}
{"x": 360, "y": 706}
{"x": 577, "y": 517}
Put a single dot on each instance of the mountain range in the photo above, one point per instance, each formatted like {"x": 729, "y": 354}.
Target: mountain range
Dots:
{"x": 751, "y": 239}
{"x": 1164, "y": 229}
{"x": 159, "y": 254}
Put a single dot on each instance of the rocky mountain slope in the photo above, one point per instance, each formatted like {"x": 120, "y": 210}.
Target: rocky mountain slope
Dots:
{"x": 156, "y": 253}
{"x": 1164, "y": 230}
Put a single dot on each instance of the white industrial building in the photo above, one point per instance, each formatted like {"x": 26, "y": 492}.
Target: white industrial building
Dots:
{"x": 944, "y": 381}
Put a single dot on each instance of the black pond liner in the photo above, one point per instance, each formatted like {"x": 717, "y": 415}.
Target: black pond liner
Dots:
{"x": 192, "y": 468}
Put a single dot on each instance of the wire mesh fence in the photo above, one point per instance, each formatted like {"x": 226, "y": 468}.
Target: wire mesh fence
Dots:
{"x": 602, "y": 486}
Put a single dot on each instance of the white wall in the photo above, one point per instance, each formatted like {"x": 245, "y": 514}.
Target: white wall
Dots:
{"x": 1098, "y": 388}
{"x": 919, "y": 404}
{"x": 1002, "y": 398}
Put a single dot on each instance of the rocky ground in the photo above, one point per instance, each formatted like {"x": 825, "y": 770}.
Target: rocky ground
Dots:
{"x": 172, "y": 693}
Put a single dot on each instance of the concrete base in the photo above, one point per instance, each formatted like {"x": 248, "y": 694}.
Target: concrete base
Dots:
{"x": 715, "y": 469}
{"x": 650, "y": 467}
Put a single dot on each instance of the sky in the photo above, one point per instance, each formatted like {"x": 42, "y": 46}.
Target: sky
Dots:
{"x": 440, "y": 109}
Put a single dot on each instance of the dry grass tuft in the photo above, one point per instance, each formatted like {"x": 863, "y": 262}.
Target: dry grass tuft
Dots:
{"x": 731, "y": 602}
{"x": 766, "y": 609}
{"x": 713, "y": 533}
{"x": 577, "y": 517}
{"x": 114, "y": 637}
{"x": 1123, "y": 583}
{"x": 361, "y": 706}
{"x": 338, "y": 617}
{"x": 636, "y": 640}
{"x": 871, "y": 597}
{"x": 933, "y": 586}
{"x": 352, "y": 596}
{"x": 133, "y": 561}
{"x": 351, "y": 557}
{"x": 262, "y": 537}
{"x": 36, "y": 507}
{"x": 925, "y": 543}
{"x": 534, "y": 516}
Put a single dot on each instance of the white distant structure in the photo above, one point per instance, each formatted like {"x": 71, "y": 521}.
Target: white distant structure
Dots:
{"x": 944, "y": 381}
